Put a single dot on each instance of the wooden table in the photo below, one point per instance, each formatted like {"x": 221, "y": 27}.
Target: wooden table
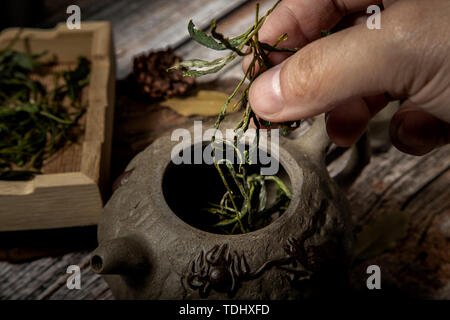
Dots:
{"x": 419, "y": 187}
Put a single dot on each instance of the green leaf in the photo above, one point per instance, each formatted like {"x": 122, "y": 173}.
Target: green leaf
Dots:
{"x": 23, "y": 60}
{"x": 227, "y": 222}
{"x": 198, "y": 67}
{"x": 265, "y": 123}
{"x": 268, "y": 47}
{"x": 34, "y": 123}
{"x": 202, "y": 38}
{"x": 209, "y": 42}
{"x": 325, "y": 33}
{"x": 262, "y": 195}
{"x": 13, "y": 175}
{"x": 280, "y": 184}
{"x": 197, "y": 63}
{"x": 76, "y": 79}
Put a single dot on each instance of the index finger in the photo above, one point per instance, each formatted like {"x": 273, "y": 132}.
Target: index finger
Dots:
{"x": 303, "y": 20}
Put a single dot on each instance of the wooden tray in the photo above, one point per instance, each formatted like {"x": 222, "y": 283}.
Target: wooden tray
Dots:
{"x": 69, "y": 192}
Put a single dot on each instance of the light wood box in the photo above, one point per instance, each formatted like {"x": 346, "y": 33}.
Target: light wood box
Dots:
{"x": 71, "y": 195}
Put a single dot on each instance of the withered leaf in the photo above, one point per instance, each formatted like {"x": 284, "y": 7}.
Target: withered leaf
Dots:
{"x": 203, "y": 103}
{"x": 209, "y": 42}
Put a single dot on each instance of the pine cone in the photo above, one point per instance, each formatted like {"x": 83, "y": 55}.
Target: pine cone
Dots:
{"x": 154, "y": 82}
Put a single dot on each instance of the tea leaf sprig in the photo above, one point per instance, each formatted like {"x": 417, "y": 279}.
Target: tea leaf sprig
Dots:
{"x": 244, "y": 206}
{"x": 242, "y": 45}
{"x": 35, "y": 122}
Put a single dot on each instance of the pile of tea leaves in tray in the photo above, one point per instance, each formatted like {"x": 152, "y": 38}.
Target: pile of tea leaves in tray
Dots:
{"x": 35, "y": 122}
{"x": 244, "y": 206}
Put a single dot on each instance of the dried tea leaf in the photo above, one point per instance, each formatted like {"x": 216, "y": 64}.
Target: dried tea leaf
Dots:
{"x": 34, "y": 122}
{"x": 76, "y": 79}
{"x": 381, "y": 234}
{"x": 198, "y": 67}
{"x": 209, "y": 42}
{"x": 203, "y": 103}
{"x": 262, "y": 196}
{"x": 325, "y": 33}
{"x": 202, "y": 38}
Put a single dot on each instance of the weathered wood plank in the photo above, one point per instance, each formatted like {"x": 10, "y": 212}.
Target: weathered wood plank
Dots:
{"x": 148, "y": 25}
{"x": 395, "y": 176}
{"x": 419, "y": 266}
{"x": 143, "y": 25}
{"x": 26, "y": 281}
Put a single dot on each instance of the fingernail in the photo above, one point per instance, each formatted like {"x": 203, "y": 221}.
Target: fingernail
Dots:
{"x": 269, "y": 90}
{"x": 401, "y": 134}
{"x": 416, "y": 139}
{"x": 422, "y": 137}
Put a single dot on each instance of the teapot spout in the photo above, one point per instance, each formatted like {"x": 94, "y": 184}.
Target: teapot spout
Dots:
{"x": 119, "y": 256}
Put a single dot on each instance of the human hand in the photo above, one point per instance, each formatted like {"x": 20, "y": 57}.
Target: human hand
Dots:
{"x": 353, "y": 73}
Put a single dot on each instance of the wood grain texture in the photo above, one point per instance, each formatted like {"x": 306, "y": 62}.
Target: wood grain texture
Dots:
{"x": 46, "y": 278}
{"x": 419, "y": 266}
{"x": 419, "y": 186}
{"x": 50, "y": 201}
{"x": 143, "y": 25}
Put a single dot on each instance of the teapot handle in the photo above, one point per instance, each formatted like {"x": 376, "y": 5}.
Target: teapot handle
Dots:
{"x": 316, "y": 142}
{"x": 359, "y": 158}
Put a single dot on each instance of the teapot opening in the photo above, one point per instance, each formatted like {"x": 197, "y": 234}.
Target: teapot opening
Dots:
{"x": 194, "y": 193}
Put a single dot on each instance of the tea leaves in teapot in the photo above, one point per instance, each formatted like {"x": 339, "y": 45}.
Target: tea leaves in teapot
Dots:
{"x": 244, "y": 206}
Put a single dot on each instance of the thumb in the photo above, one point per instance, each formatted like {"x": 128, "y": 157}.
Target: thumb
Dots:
{"x": 355, "y": 62}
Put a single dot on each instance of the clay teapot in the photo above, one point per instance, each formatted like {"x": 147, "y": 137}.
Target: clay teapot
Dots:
{"x": 149, "y": 249}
